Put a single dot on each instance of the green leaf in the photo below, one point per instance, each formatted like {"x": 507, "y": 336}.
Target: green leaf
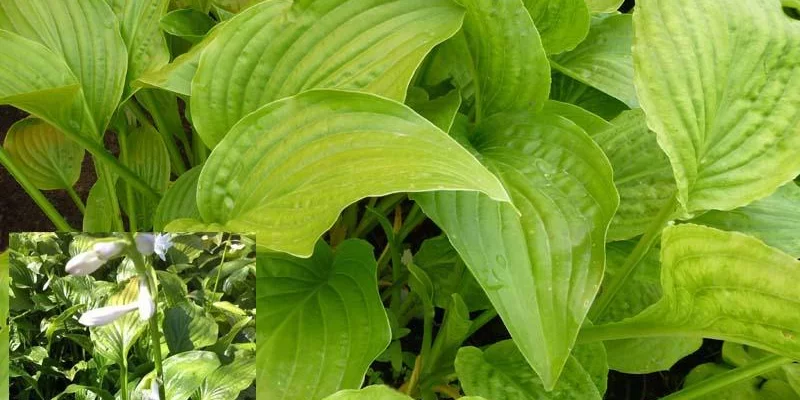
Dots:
{"x": 604, "y": 60}
{"x": 233, "y": 6}
{"x": 227, "y": 381}
{"x": 642, "y": 174}
{"x": 173, "y": 288}
{"x": 775, "y": 219}
{"x": 140, "y": 29}
{"x": 280, "y": 48}
{"x": 452, "y": 333}
{"x": 44, "y": 154}
{"x": 96, "y": 56}
{"x": 187, "y": 327}
{"x": 501, "y": 373}
{"x": 449, "y": 274}
{"x": 568, "y": 90}
{"x": 498, "y": 58}
{"x": 4, "y": 361}
{"x": 188, "y": 24}
{"x": 148, "y": 158}
{"x": 322, "y": 322}
{"x": 184, "y": 373}
{"x": 590, "y": 123}
{"x": 751, "y": 389}
{"x": 756, "y": 305}
{"x": 113, "y": 341}
{"x": 541, "y": 269}
{"x": 440, "y": 111}
{"x": 179, "y": 201}
{"x": 375, "y": 392}
{"x": 98, "y": 216}
{"x": 641, "y": 290}
{"x": 727, "y": 117}
{"x": 604, "y": 6}
{"x": 278, "y": 159}
{"x": 562, "y": 24}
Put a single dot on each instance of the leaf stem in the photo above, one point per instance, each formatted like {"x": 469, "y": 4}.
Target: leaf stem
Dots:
{"x": 35, "y": 194}
{"x": 731, "y": 377}
{"x": 612, "y": 286}
{"x": 123, "y": 154}
{"x": 124, "y": 379}
{"x": 76, "y": 199}
{"x": 482, "y": 319}
{"x": 104, "y": 174}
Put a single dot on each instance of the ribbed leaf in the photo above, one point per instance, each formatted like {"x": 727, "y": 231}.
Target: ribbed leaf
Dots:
{"x": 44, "y": 154}
{"x": 568, "y": 90}
{"x": 603, "y": 6}
{"x": 280, "y": 48}
{"x": 85, "y": 34}
{"x": 604, "y": 60}
{"x": 562, "y": 24}
{"x": 183, "y": 373}
{"x": 322, "y": 322}
{"x": 228, "y": 380}
{"x": 757, "y": 305}
{"x": 286, "y": 174}
{"x": 590, "y": 123}
{"x": 541, "y": 269}
{"x": 501, "y": 373}
{"x": 187, "y": 327}
{"x": 498, "y": 58}
{"x": 775, "y": 219}
{"x": 641, "y": 290}
{"x": 642, "y": 173}
{"x": 113, "y": 341}
{"x": 98, "y": 216}
{"x": 441, "y": 111}
{"x": 188, "y": 24}
{"x": 727, "y": 115}
{"x": 375, "y": 392}
{"x": 179, "y": 201}
{"x": 233, "y": 6}
{"x": 148, "y": 158}
{"x": 140, "y": 29}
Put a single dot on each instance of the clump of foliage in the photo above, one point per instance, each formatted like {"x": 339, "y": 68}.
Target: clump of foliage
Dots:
{"x": 86, "y": 310}
{"x": 615, "y": 187}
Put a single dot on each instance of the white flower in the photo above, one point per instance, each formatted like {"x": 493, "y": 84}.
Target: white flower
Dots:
{"x": 108, "y": 250}
{"x": 105, "y": 315}
{"x": 237, "y": 246}
{"x": 84, "y": 263}
{"x": 162, "y": 244}
{"x": 151, "y": 394}
{"x": 145, "y": 302}
{"x": 144, "y": 243}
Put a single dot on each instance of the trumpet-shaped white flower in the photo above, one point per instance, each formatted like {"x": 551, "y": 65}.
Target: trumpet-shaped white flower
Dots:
{"x": 145, "y": 243}
{"x": 106, "y": 315}
{"x": 162, "y": 244}
{"x": 108, "y": 250}
{"x": 84, "y": 263}
{"x": 145, "y": 301}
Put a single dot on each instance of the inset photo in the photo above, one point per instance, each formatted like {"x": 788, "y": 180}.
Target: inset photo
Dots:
{"x": 131, "y": 316}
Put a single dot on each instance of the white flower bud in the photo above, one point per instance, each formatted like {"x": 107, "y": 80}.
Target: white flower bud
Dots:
{"x": 108, "y": 250}
{"x": 84, "y": 263}
{"x": 145, "y": 243}
{"x": 154, "y": 390}
{"x": 105, "y": 315}
{"x": 146, "y": 305}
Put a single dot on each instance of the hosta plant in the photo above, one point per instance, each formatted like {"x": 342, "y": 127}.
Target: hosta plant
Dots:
{"x": 498, "y": 199}
{"x": 86, "y": 311}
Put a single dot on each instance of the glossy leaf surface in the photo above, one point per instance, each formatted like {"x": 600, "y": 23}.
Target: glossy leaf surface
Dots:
{"x": 47, "y": 157}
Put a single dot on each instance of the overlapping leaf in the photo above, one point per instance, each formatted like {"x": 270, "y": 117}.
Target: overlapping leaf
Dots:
{"x": 46, "y": 156}
{"x": 562, "y": 24}
{"x": 113, "y": 341}
{"x": 147, "y": 157}
{"x": 179, "y": 201}
{"x": 280, "y": 48}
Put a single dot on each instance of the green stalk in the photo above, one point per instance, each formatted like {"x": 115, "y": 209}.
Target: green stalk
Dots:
{"x": 104, "y": 174}
{"x": 76, "y": 199}
{"x": 123, "y": 154}
{"x": 123, "y": 378}
{"x": 482, "y": 320}
{"x": 728, "y": 378}
{"x": 369, "y": 220}
{"x": 37, "y": 196}
{"x": 174, "y": 154}
{"x": 612, "y": 286}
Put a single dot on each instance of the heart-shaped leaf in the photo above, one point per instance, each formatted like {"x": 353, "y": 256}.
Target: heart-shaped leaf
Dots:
{"x": 147, "y": 156}
{"x": 187, "y": 327}
{"x": 717, "y": 80}
{"x": 113, "y": 341}
{"x": 45, "y": 155}
{"x": 280, "y": 48}
{"x": 286, "y": 175}
{"x": 227, "y": 381}
{"x": 184, "y": 373}
{"x": 322, "y": 322}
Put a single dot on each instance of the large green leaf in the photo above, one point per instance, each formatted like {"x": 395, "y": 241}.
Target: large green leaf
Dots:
{"x": 187, "y": 327}
{"x": 568, "y": 90}
{"x": 589, "y": 122}
{"x": 321, "y": 321}
{"x": 775, "y": 219}
{"x": 603, "y": 6}
{"x": 98, "y": 216}
{"x": 642, "y": 173}
{"x": 228, "y": 380}
{"x": 148, "y": 158}
{"x": 722, "y": 285}
{"x": 79, "y": 33}
{"x": 375, "y": 392}
{"x": 562, "y": 24}
{"x": 717, "y": 81}
{"x": 498, "y": 58}
{"x": 542, "y": 268}
{"x": 188, "y": 24}
{"x": 113, "y": 341}
{"x": 280, "y": 48}
{"x": 286, "y": 174}
{"x": 604, "y": 60}
{"x": 184, "y": 373}
{"x": 179, "y": 201}
{"x": 45, "y": 155}
{"x": 641, "y": 290}
{"x": 441, "y": 111}
{"x": 140, "y": 29}
{"x": 501, "y": 373}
